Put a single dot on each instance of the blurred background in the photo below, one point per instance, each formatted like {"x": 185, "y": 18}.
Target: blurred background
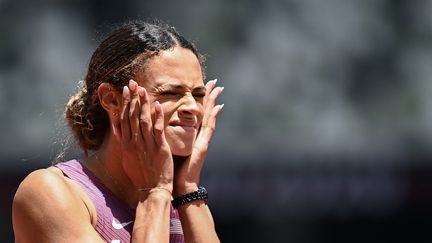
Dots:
{"x": 327, "y": 126}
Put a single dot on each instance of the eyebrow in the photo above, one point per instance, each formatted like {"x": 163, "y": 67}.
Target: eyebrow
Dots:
{"x": 182, "y": 87}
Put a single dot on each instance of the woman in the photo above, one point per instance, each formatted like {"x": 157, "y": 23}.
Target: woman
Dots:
{"x": 144, "y": 119}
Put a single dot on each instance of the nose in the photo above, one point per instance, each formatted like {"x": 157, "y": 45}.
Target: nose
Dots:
{"x": 189, "y": 105}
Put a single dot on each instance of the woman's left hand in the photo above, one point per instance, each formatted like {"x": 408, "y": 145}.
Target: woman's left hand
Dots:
{"x": 187, "y": 172}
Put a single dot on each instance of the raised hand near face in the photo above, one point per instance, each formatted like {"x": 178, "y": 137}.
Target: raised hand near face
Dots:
{"x": 187, "y": 173}
{"x": 146, "y": 155}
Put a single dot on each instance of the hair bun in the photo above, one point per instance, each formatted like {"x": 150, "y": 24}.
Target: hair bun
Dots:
{"x": 82, "y": 117}
{"x": 77, "y": 100}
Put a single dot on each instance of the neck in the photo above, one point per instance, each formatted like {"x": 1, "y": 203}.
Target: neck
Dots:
{"x": 105, "y": 163}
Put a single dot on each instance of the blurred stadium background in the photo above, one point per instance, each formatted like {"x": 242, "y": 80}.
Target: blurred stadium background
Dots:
{"x": 327, "y": 126}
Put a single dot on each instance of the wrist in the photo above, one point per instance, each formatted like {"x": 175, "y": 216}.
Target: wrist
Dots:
{"x": 184, "y": 188}
{"x": 156, "y": 193}
{"x": 191, "y": 197}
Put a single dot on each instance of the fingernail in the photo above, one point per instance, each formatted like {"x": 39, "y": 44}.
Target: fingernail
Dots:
{"x": 125, "y": 92}
{"x": 221, "y": 106}
{"x": 132, "y": 85}
{"x": 141, "y": 91}
{"x": 215, "y": 80}
{"x": 221, "y": 89}
{"x": 157, "y": 106}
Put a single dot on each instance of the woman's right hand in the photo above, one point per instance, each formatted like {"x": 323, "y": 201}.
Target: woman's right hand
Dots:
{"x": 146, "y": 155}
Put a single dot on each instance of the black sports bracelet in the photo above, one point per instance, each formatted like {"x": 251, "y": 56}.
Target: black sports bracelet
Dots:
{"x": 200, "y": 194}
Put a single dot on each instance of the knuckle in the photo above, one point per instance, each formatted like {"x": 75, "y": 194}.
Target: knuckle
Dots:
{"x": 158, "y": 130}
{"x": 145, "y": 120}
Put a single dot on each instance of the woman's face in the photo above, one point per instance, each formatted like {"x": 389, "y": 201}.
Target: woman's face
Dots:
{"x": 174, "y": 78}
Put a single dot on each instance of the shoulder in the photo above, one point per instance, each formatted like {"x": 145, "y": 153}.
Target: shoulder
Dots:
{"x": 45, "y": 192}
{"x": 46, "y": 186}
{"x": 40, "y": 185}
{"x": 46, "y": 201}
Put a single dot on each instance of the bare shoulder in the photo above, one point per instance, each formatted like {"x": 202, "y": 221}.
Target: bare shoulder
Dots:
{"x": 46, "y": 207}
{"x": 45, "y": 187}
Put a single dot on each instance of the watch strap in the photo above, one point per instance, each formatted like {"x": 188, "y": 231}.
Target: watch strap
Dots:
{"x": 200, "y": 194}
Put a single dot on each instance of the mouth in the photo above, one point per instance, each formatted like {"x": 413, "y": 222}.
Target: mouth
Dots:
{"x": 187, "y": 126}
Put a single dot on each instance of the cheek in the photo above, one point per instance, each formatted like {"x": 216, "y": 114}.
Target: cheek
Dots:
{"x": 168, "y": 110}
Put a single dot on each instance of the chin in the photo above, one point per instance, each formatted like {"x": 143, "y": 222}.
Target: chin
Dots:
{"x": 182, "y": 152}
{"x": 180, "y": 143}
{"x": 180, "y": 147}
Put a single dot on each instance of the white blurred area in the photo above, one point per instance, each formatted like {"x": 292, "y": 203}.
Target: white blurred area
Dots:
{"x": 322, "y": 78}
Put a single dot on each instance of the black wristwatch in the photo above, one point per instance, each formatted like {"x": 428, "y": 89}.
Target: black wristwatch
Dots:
{"x": 200, "y": 194}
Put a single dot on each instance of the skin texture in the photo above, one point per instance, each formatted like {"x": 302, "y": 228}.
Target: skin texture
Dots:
{"x": 161, "y": 126}
{"x": 180, "y": 92}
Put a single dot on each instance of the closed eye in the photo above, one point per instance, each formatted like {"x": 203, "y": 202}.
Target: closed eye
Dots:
{"x": 199, "y": 95}
{"x": 169, "y": 93}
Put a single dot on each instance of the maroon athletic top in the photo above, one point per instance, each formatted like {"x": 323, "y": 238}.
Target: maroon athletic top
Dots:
{"x": 114, "y": 218}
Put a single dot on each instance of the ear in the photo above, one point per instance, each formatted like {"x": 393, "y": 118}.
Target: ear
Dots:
{"x": 110, "y": 99}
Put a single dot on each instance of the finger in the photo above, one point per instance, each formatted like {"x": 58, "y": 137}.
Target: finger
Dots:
{"x": 124, "y": 117}
{"x": 206, "y": 132}
{"x": 210, "y": 104}
{"x": 145, "y": 116}
{"x": 211, "y": 124}
{"x": 209, "y": 87}
{"x": 134, "y": 112}
{"x": 213, "y": 116}
{"x": 158, "y": 128}
{"x": 212, "y": 97}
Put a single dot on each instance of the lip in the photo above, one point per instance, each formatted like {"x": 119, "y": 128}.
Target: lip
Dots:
{"x": 185, "y": 126}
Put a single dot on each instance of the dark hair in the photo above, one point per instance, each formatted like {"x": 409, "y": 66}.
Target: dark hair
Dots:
{"x": 117, "y": 60}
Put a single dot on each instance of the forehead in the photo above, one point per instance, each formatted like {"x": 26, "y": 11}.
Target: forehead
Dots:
{"x": 178, "y": 66}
